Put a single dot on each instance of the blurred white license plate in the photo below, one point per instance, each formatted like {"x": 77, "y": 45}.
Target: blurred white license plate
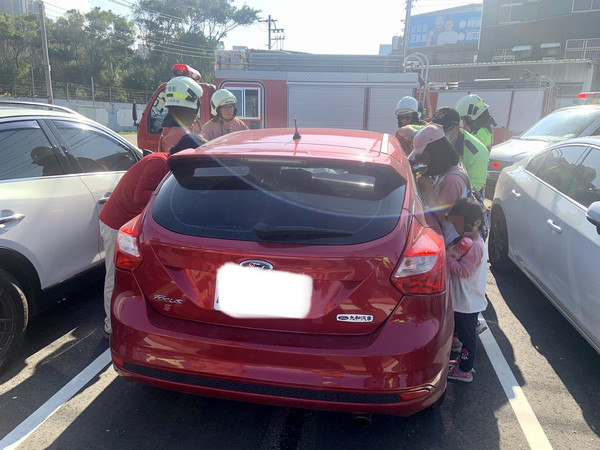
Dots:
{"x": 249, "y": 292}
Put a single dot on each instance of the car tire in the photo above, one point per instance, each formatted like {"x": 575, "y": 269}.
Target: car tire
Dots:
{"x": 13, "y": 318}
{"x": 498, "y": 241}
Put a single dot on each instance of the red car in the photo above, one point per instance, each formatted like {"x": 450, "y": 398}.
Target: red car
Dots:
{"x": 291, "y": 270}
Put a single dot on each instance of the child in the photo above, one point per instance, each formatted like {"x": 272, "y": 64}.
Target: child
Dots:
{"x": 468, "y": 279}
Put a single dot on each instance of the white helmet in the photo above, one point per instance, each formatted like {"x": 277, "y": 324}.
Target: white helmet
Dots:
{"x": 407, "y": 105}
{"x": 221, "y": 97}
{"x": 183, "y": 91}
{"x": 471, "y": 106}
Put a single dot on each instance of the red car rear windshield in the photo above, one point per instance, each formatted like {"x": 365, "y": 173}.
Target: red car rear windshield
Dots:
{"x": 281, "y": 200}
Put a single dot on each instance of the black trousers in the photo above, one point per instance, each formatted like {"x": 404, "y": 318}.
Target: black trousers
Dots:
{"x": 465, "y": 326}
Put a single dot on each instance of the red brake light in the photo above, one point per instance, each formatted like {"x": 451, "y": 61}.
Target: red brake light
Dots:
{"x": 496, "y": 165}
{"x": 422, "y": 267}
{"x": 183, "y": 70}
{"x": 127, "y": 250}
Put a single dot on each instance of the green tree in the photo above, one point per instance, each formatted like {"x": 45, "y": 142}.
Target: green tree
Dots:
{"x": 187, "y": 31}
{"x": 19, "y": 51}
{"x": 97, "y": 44}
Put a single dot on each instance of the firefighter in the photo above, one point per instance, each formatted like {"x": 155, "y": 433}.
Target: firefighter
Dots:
{"x": 409, "y": 121}
{"x": 182, "y": 99}
{"x": 223, "y": 106}
{"x": 477, "y": 119}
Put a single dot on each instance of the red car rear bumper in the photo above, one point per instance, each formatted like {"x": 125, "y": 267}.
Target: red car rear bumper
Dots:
{"x": 399, "y": 369}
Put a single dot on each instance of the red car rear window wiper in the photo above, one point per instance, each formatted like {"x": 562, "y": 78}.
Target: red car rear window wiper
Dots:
{"x": 266, "y": 231}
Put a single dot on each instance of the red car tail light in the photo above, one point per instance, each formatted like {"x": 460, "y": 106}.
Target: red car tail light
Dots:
{"x": 421, "y": 269}
{"x": 127, "y": 250}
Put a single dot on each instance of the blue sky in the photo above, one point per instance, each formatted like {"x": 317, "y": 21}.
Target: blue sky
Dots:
{"x": 325, "y": 26}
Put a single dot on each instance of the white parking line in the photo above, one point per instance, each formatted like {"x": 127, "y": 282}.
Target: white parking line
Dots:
{"x": 29, "y": 425}
{"x": 529, "y": 423}
{"x": 527, "y": 420}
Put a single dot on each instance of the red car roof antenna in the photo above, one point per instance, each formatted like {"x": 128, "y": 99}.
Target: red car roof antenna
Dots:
{"x": 297, "y": 136}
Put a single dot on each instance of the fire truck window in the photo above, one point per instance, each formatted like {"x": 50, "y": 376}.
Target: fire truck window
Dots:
{"x": 25, "y": 152}
{"x": 252, "y": 103}
{"x": 158, "y": 112}
{"x": 92, "y": 150}
{"x": 247, "y": 102}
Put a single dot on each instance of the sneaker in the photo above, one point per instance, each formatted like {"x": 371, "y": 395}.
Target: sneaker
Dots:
{"x": 106, "y": 334}
{"x": 456, "y": 345}
{"x": 481, "y": 327}
{"x": 454, "y": 373}
{"x": 454, "y": 362}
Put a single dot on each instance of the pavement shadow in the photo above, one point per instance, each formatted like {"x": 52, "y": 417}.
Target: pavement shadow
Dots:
{"x": 45, "y": 364}
{"x": 571, "y": 357}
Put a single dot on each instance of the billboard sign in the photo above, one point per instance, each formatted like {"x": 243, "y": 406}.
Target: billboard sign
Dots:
{"x": 443, "y": 29}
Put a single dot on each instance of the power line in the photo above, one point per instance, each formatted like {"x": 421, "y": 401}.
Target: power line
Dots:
{"x": 193, "y": 47}
{"x": 183, "y": 50}
{"x": 183, "y": 54}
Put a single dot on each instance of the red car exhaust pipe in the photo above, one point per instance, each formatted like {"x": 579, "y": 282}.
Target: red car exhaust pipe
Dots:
{"x": 362, "y": 420}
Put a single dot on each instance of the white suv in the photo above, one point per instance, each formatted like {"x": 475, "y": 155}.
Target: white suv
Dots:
{"x": 56, "y": 170}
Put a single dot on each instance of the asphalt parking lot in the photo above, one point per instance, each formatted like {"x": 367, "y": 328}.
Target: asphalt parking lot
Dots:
{"x": 537, "y": 386}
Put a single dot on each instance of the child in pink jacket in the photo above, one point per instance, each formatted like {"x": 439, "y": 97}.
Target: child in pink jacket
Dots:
{"x": 468, "y": 271}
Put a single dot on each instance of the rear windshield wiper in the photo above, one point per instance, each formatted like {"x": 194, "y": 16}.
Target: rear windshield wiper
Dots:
{"x": 269, "y": 231}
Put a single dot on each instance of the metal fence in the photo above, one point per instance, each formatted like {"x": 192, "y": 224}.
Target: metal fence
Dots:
{"x": 73, "y": 91}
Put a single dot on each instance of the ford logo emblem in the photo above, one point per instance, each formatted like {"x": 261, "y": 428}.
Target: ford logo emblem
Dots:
{"x": 257, "y": 264}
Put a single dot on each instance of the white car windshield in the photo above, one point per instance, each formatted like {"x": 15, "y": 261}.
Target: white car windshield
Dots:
{"x": 563, "y": 124}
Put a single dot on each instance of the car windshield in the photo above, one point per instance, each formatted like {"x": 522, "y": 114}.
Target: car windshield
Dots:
{"x": 281, "y": 200}
{"x": 561, "y": 125}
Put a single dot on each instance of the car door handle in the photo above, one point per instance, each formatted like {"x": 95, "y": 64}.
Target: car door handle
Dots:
{"x": 12, "y": 218}
{"x": 554, "y": 226}
{"x": 515, "y": 193}
{"x": 104, "y": 199}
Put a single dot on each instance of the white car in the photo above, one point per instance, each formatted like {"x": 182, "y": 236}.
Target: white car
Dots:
{"x": 56, "y": 170}
{"x": 545, "y": 218}
{"x": 560, "y": 125}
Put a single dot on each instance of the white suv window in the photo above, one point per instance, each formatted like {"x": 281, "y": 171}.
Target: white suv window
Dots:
{"x": 94, "y": 151}
{"x": 26, "y": 152}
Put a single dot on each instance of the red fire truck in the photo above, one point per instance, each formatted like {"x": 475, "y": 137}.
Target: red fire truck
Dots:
{"x": 345, "y": 91}
{"x": 150, "y": 124}
{"x": 361, "y": 92}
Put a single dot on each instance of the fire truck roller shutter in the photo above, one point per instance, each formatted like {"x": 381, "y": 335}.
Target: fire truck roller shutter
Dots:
{"x": 331, "y": 106}
{"x": 382, "y": 103}
{"x": 526, "y": 110}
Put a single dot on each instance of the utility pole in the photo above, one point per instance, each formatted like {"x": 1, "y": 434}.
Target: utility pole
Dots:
{"x": 46, "y": 60}
{"x": 279, "y": 32}
{"x": 407, "y": 26}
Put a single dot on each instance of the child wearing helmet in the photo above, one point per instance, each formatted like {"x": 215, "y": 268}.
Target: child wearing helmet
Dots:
{"x": 183, "y": 95}
{"x": 477, "y": 119}
{"x": 222, "y": 105}
{"x": 409, "y": 121}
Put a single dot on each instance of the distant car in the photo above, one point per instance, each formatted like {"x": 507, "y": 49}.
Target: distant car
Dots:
{"x": 56, "y": 169}
{"x": 545, "y": 218}
{"x": 297, "y": 272}
{"x": 562, "y": 124}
